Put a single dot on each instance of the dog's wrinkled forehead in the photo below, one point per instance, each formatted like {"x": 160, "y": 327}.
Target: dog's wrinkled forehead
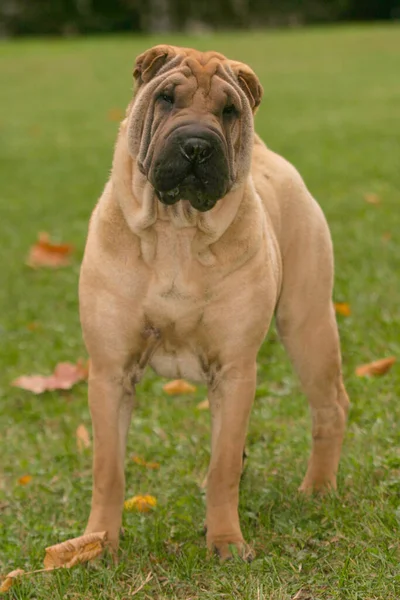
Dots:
{"x": 160, "y": 60}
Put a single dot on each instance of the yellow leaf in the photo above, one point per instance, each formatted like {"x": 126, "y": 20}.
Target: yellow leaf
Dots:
{"x": 143, "y": 463}
{"x": 82, "y": 438}
{"x": 25, "y": 479}
{"x": 75, "y": 551}
{"x": 203, "y": 405}
{"x": 178, "y": 386}
{"x": 140, "y": 503}
{"x": 378, "y": 367}
{"x": 9, "y": 580}
{"x": 115, "y": 114}
{"x": 372, "y": 198}
{"x": 342, "y": 308}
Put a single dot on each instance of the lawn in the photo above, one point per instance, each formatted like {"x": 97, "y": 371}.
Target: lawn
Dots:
{"x": 331, "y": 107}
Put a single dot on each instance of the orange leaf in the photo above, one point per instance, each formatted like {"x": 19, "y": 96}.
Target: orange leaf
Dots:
{"x": 25, "y": 479}
{"x": 378, "y": 367}
{"x": 342, "y": 308}
{"x": 203, "y": 405}
{"x": 9, "y": 580}
{"x": 75, "y": 551}
{"x": 82, "y": 438}
{"x": 140, "y": 503}
{"x": 372, "y": 198}
{"x": 45, "y": 253}
{"x": 140, "y": 461}
{"x": 115, "y": 114}
{"x": 178, "y": 386}
{"x": 64, "y": 377}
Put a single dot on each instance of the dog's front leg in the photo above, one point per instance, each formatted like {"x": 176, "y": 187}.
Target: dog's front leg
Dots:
{"x": 111, "y": 400}
{"x": 231, "y": 397}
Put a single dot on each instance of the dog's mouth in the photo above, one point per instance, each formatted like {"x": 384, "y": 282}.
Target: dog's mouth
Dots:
{"x": 192, "y": 190}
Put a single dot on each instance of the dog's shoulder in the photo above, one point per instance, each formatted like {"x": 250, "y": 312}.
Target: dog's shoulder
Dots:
{"x": 284, "y": 194}
{"x": 274, "y": 169}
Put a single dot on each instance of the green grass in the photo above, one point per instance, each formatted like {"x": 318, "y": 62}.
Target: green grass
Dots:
{"x": 331, "y": 107}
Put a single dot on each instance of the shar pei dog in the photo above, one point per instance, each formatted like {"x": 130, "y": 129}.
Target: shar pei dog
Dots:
{"x": 201, "y": 235}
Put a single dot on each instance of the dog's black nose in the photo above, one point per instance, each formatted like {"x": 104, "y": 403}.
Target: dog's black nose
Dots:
{"x": 196, "y": 149}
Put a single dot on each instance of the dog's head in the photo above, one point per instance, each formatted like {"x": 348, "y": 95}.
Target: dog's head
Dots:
{"x": 190, "y": 126}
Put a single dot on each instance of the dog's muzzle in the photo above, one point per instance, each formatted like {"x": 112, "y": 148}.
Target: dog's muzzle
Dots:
{"x": 191, "y": 165}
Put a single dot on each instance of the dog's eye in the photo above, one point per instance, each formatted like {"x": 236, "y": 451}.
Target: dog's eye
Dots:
{"x": 166, "y": 98}
{"x": 229, "y": 110}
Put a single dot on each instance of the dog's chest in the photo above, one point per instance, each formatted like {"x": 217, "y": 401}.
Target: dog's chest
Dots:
{"x": 174, "y": 305}
{"x": 176, "y": 288}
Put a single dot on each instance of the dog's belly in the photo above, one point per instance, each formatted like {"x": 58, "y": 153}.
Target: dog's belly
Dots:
{"x": 177, "y": 364}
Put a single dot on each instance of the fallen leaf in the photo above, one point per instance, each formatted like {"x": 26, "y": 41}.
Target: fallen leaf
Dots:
{"x": 64, "y": 377}
{"x": 178, "y": 386}
{"x": 372, "y": 198}
{"x": 35, "y": 130}
{"x": 45, "y": 253}
{"x": 143, "y": 463}
{"x": 75, "y": 551}
{"x": 33, "y": 326}
{"x": 8, "y": 580}
{"x": 203, "y": 405}
{"x": 386, "y": 236}
{"x": 115, "y": 114}
{"x": 303, "y": 595}
{"x": 82, "y": 438}
{"x": 378, "y": 367}
{"x": 342, "y": 308}
{"x": 25, "y": 479}
{"x": 140, "y": 503}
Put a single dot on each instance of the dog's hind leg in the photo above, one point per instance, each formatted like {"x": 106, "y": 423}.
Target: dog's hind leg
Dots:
{"x": 307, "y": 325}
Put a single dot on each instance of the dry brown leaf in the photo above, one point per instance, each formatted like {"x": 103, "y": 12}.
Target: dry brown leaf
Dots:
{"x": 178, "y": 386}
{"x": 372, "y": 198}
{"x": 9, "y": 580}
{"x": 64, "y": 377}
{"x": 140, "y": 503}
{"x": 75, "y": 551}
{"x": 82, "y": 438}
{"x": 303, "y": 595}
{"x": 35, "y": 130}
{"x": 115, "y": 114}
{"x": 203, "y": 405}
{"x": 45, "y": 253}
{"x": 25, "y": 479}
{"x": 342, "y": 308}
{"x": 143, "y": 463}
{"x": 378, "y": 367}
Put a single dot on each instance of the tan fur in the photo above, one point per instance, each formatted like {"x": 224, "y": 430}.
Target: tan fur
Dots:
{"x": 193, "y": 294}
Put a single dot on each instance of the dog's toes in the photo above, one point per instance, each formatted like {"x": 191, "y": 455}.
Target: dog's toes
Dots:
{"x": 318, "y": 486}
{"x": 232, "y": 551}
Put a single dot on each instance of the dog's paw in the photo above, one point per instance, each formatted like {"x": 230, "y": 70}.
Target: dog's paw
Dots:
{"x": 231, "y": 550}
{"x": 309, "y": 487}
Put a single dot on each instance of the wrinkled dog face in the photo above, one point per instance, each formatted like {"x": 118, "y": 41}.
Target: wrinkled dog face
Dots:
{"x": 190, "y": 126}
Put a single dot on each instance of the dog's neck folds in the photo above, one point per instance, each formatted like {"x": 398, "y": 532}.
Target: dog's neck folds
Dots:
{"x": 142, "y": 209}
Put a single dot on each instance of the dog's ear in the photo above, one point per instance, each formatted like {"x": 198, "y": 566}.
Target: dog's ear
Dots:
{"x": 249, "y": 83}
{"x": 150, "y": 62}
